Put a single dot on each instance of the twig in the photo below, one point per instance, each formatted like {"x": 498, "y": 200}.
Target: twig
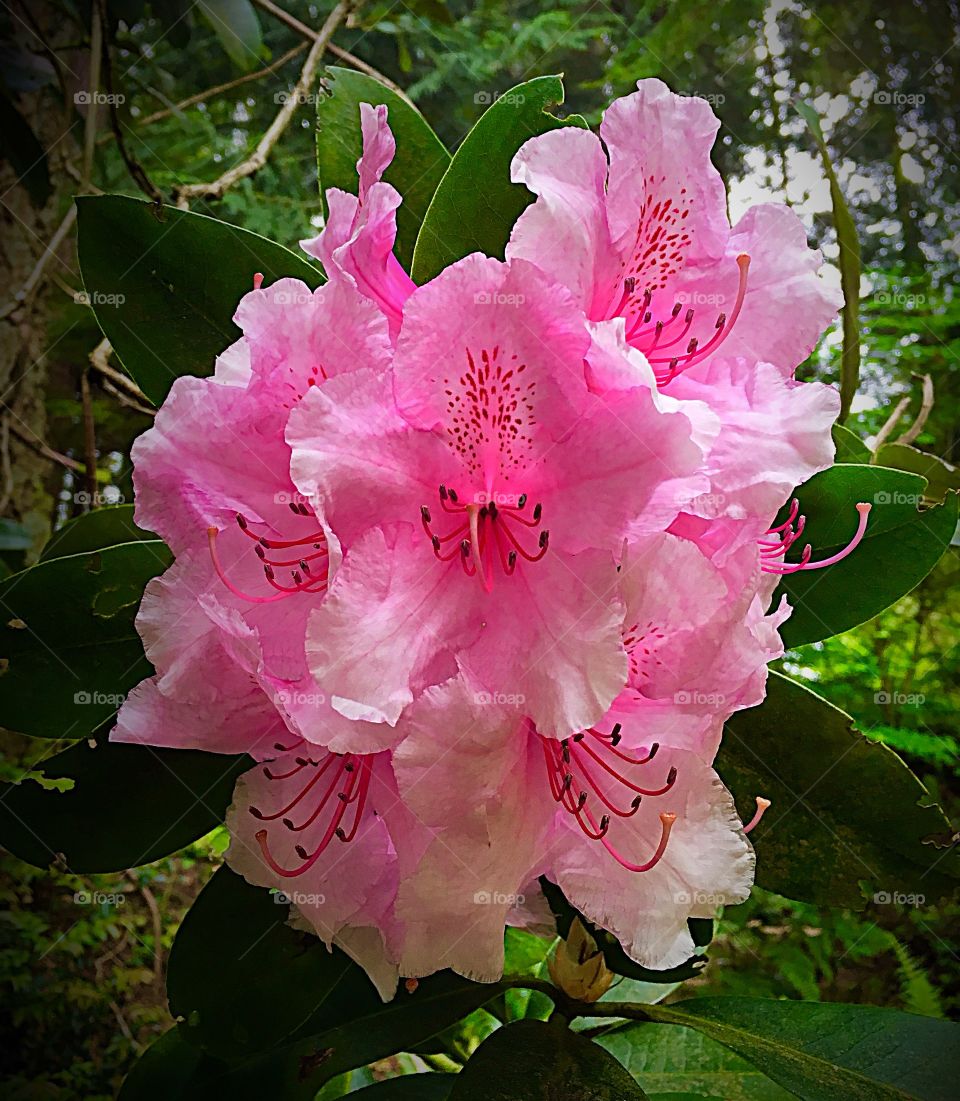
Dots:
{"x": 218, "y": 89}
{"x": 926, "y": 405}
{"x": 891, "y": 423}
{"x": 100, "y": 361}
{"x": 338, "y": 51}
{"x": 258, "y": 158}
{"x": 90, "y": 130}
{"x": 33, "y": 279}
{"x": 137, "y": 172}
{"x": 47, "y": 452}
{"x": 151, "y": 902}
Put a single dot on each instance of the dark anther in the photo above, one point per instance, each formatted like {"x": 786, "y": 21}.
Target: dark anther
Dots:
{"x": 637, "y": 801}
{"x": 264, "y": 542}
{"x": 301, "y": 852}
{"x": 294, "y": 507}
{"x": 605, "y": 823}
{"x": 483, "y": 511}
{"x": 721, "y": 321}
{"x": 566, "y": 753}
{"x": 301, "y": 761}
{"x": 297, "y": 577}
{"x": 425, "y": 514}
{"x": 465, "y": 547}
{"x": 537, "y": 510}
{"x": 578, "y": 737}
{"x": 436, "y": 542}
{"x": 692, "y": 346}
{"x": 688, "y": 317}
{"x": 567, "y": 781}
{"x": 653, "y": 751}
{"x": 241, "y": 521}
{"x": 453, "y": 496}
{"x": 342, "y": 796}
{"x": 261, "y": 553}
{"x": 492, "y": 509}
{"x": 268, "y": 570}
{"x": 544, "y": 538}
{"x": 289, "y": 824}
{"x": 257, "y": 814}
{"x": 304, "y": 566}
{"x": 671, "y": 775}
{"x": 511, "y": 559}
{"x": 522, "y": 500}
{"x": 443, "y": 492}
{"x": 676, "y": 309}
{"x": 581, "y": 799}
{"x": 340, "y": 834}
{"x": 348, "y": 767}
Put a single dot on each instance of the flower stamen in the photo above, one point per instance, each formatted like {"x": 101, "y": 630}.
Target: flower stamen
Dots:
{"x": 787, "y": 533}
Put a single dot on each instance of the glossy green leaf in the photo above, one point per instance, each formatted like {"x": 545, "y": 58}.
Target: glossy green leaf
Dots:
{"x": 409, "y": 1087}
{"x": 540, "y": 1061}
{"x": 103, "y": 527}
{"x": 126, "y": 805}
{"x": 68, "y": 643}
{"x": 476, "y": 205}
{"x": 676, "y": 1063}
{"x": 823, "y": 1052}
{"x": 281, "y": 990}
{"x": 616, "y": 959}
{"x": 236, "y": 25}
{"x": 850, "y": 448}
{"x": 417, "y": 167}
{"x": 165, "y": 285}
{"x": 849, "y": 262}
{"x": 164, "y": 1070}
{"x": 844, "y": 809}
{"x": 942, "y": 477}
{"x": 901, "y": 546}
{"x": 300, "y": 988}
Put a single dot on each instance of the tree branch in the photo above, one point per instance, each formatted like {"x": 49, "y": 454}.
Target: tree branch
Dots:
{"x": 338, "y": 51}
{"x": 926, "y": 405}
{"x": 891, "y": 423}
{"x": 258, "y": 158}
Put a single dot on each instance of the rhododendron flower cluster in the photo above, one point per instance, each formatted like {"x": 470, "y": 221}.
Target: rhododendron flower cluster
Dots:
{"x": 475, "y": 571}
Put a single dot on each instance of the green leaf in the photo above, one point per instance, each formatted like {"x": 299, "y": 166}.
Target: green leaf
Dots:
{"x": 539, "y": 1061}
{"x": 901, "y": 546}
{"x": 127, "y": 805}
{"x": 281, "y": 990}
{"x": 288, "y": 987}
{"x": 614, "y": 956}
{"x": 164, "y": 1070}
{"x": 68, "y": 641}
{"x": 823, "y": 1052}
{"x": 850, "y": 448}
{"x": 408, "y": 1087}
{"x": 942, "y": 477}
{"x": 103, "y": 527}
{"x": 676, "y": 1063}
{"x": 844, "y": 809}
{"x": 235, "y": 23}
{"x": 849, "y": 261}
{"x": 165, "y": 285}
{"x": 476, "y": 205}
{"x": 415, "y": 171}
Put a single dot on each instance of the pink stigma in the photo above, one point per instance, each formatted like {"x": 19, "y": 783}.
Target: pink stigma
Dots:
{"x": 485, "y": 536}
{"x": 762, "y": 806}
{"x": 574, "y": 768}
{"x": 328, "y": 808}
{"x": 659, "y": 341}
{"x": 311, "y": 560}
{"x": 777, "y": 541}
{"x": 258, "y": 280}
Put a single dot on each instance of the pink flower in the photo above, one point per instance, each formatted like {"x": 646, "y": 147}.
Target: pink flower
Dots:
{"x": 719, "y": 317}
{"x": 644, "y": 236}
{"x": 356, "y": 244}
{"x": 225, "y": 626}
{"x": 480, "y": 491}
